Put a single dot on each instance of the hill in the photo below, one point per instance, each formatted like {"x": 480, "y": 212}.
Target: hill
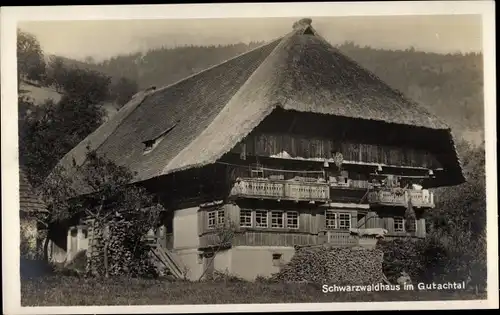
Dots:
{"x": 450, "y": 86}
{"x": 39, "y": 94}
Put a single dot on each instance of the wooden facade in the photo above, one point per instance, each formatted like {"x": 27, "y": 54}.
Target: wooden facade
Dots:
{"x": 313, "y": 224}
{"x": 296, "y": 146}
{"x": 278, "y": 187}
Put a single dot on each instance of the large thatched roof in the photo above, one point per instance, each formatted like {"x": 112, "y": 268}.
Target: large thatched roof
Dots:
{"x": 203, "y": 116}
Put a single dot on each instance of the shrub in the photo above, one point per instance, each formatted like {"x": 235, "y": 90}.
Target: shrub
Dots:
{"x": 401, "y": 255}
{"x": 423, "y": 260}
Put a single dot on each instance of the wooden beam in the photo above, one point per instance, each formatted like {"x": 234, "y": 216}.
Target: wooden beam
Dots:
{"x": 346, "y": 205}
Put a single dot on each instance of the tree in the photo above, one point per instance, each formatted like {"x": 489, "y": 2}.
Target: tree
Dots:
{"x": 120, "y": 215}
{"x": 56, "y": 73}
{"x": 30, "y": 58}
{"x": 51, "y": 130}
{"x": 25, "y": 106}
{"x": 56, "y": 192}
{"x": 224, "y": 234}
{"x": 88, "y": 85}
{"x": 89, "y": 60}
{"x": 123, "y": 90}
{"x": 459, "y": 220}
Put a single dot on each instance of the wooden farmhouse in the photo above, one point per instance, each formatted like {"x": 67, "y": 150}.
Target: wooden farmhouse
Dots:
{"x": 292, "y": 143}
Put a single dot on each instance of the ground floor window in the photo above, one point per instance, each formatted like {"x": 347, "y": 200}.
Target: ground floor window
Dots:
{"x": 245, "y": 218}
{"x": 337, "y": 220}
{"x": 215, "y": 217}
{"x": 261, "y": 218}
{"x": 344, "y": 221}
{"x": 400, "y": 225}
{"x": 292, "y": 220}
{"x": 277, "y": 219}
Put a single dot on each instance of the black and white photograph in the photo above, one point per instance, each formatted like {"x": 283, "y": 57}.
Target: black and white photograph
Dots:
{"x": 249, "y": 157}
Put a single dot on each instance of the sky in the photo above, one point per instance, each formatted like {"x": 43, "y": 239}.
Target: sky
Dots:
{"x": 102, "y": 39}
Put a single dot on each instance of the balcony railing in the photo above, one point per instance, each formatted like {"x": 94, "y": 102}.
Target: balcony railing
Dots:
{"x": 419, "y": 198}
{"x": 281, "y": 190}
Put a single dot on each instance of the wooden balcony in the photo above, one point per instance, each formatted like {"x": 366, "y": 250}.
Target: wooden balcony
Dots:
{"x": 400, "y": 198}
{"x": 346, "y": 239}
{"x": 281, "y": 190}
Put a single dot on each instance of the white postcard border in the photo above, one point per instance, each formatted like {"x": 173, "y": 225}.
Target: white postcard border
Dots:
{"x": 10, "y": 176}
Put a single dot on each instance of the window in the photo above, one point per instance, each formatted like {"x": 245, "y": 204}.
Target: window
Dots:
{"x": 344, "y": 221}
{"x": 212, "y": 215}
{"x": 292, "y": 220}
{"x": 246, "y": 218}
{"x": 220, "y": 217}
{"x": 215, "y": 218}
{"x": 257, "y": 172}
{"x": 399, "y": 225}
{"x": 261, "y": 218}
{"x": 331, "y": 219}
{"x": 277, "y": 259}
{"x": 335, "y": 220}
{"x": 277, "y": 219}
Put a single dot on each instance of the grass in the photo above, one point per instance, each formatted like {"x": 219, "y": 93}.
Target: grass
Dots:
{"x": 60, "y": 290}
{"x": 39, "y": 94}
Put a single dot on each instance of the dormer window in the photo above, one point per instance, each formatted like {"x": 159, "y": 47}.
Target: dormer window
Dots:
{"x": 150, "y": 144}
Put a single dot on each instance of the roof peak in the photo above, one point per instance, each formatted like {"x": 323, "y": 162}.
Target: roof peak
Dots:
{"x": 302, "y": 23}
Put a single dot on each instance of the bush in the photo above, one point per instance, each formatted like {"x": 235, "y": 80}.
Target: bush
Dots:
{"x": 423, "y": 260}
{"x": 401, "y": 255}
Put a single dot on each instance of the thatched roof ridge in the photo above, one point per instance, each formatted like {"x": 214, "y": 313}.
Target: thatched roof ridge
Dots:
{"x": 216, "y": 108}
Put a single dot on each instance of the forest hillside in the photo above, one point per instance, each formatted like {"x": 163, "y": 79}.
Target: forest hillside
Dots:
{"x": 449, "y": 85}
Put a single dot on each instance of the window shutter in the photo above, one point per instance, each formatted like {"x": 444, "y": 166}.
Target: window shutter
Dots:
{"x": 421, "y": 228}
{"x": 201, "y": 222}
{"x": 371, "y": 220}
{"x": 390, "y": 225}
{"x": 320, "y": 221}
{"x": 354, "y": 219}
{"x": 384, "y": 223}
{"x": 233, "y": 214}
